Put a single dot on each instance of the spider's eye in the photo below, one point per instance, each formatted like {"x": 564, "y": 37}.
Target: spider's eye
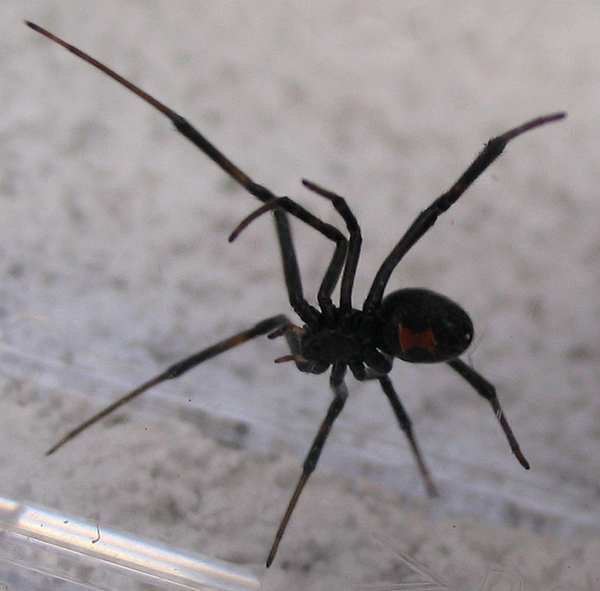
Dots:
{"x": 422, "y": 326}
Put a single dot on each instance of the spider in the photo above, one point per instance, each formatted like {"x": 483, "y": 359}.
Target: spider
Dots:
{"x": 412, "y": 324}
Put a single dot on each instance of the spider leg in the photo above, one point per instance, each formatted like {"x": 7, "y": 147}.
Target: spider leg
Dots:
{"x": 337, "y": 261}
{"x": 340, "y": 393}
{"x": 291, "y": 271}
{"x": 404, "y": 420}
{"x": 406, "y": 426}
{"x": 333, "y": 272}
{"x": 487, "y": 390}
{"x": 354, "y": 245}
{"x": 264, "y": 327}
{"x": 429, "y": 216}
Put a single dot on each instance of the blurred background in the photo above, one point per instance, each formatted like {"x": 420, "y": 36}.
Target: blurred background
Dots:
{"x": 115, "y": 264}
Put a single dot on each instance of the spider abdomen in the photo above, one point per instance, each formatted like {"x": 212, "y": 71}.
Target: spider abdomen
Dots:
{"x": 422, "y": 326}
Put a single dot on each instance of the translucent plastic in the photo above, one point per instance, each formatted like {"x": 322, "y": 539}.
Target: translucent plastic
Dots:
{"x": 40, "y": 546}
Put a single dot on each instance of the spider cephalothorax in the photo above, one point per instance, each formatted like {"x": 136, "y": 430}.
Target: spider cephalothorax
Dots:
{"x": 414, "y": 325}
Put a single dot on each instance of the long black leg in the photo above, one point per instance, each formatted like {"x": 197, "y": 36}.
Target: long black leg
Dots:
{"x": 264, "y": 327}
{"x": 291, "y": 270}
{"x": 340, "y": 394}
{"x": 406, "y": 426}
{"x": 365, "y": 374}
{"x": 487, "y": 390}
{"x": 335, "y": 267}
{"x": 354, "y": 246}
{"x": 429, "y": 216}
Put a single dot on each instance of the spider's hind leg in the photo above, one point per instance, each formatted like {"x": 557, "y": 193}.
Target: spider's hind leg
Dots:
{"x": 488, "y": 391}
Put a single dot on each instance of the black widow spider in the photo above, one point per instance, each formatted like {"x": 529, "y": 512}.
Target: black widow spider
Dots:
{"x": 415, "y": 324}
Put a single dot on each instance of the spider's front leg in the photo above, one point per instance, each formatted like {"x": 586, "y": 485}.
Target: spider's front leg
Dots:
{"x": 185, "y": 128}
{"x": 345, "y": 258}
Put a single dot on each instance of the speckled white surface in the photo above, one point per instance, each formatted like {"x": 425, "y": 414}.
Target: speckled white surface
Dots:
{"x": 115, "y": 263}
